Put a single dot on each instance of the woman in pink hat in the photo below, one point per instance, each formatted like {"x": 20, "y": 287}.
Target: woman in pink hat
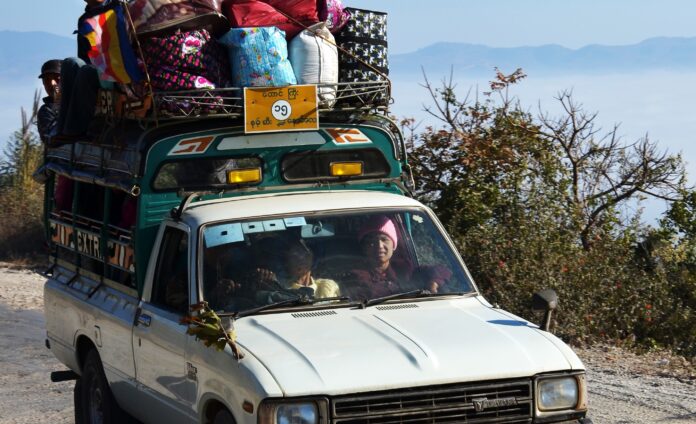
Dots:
{"x": 383, "y": 274}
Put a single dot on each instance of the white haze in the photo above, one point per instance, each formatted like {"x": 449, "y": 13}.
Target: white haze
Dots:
{"x": 657, "y": 103}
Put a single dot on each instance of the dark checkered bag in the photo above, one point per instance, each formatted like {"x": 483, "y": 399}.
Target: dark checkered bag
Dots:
{"x": 365, "y": 37}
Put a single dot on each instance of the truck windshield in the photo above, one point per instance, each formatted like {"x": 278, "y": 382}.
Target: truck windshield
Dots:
{"x": 359, "y": 256}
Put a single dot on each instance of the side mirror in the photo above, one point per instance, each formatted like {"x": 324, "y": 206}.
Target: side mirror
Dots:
{"x": 545, "y": 301}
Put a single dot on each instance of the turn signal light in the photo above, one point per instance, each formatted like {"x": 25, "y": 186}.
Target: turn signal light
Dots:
{"x": 346, "y": 169}
{"x": 244, "y": 176}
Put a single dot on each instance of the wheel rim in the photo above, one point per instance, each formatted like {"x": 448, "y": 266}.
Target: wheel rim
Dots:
{"x": 96, "y": 398}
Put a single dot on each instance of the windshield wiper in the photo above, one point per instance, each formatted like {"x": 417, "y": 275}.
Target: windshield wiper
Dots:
{"x": 410, "y": 294}
{"x": 295, "y": 301}
{"x": 378, "y": 300}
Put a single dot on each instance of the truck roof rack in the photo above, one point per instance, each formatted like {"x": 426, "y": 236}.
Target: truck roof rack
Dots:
{"x": 365, "y": 97}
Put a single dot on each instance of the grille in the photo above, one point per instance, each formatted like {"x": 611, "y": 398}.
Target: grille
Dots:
{"x": 400, "y": 306}
{"x": 495, "y": 402}
{"x": 313, "y": 314}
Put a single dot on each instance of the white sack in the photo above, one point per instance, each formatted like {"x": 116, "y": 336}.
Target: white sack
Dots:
{"x": 314, "y": 57}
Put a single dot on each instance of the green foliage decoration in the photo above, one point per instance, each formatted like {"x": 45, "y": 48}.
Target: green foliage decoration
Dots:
{"x": 205, "y": 325}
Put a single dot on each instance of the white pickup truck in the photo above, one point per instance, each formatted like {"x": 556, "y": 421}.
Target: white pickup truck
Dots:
{"x": 349, "y": 307}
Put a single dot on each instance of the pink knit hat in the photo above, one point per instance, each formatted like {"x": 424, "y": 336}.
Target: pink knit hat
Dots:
{"x": 379, "y": 224}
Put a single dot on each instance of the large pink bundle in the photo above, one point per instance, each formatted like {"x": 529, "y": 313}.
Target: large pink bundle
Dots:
{"x": 157, "y": 16}
{"x": 291, "y": 16}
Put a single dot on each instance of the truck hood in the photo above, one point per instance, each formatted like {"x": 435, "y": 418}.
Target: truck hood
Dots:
{"x": 424, "y": 343}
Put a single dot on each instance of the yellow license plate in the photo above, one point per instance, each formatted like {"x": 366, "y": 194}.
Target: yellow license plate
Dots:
{"x": 275, "y": 109}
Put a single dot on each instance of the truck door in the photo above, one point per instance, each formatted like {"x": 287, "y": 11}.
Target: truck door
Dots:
{"x": 159, "y": 340}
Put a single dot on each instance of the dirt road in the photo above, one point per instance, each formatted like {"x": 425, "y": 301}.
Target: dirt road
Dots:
{"x": 26, "y": 393}
{"x": 623, "y": 388}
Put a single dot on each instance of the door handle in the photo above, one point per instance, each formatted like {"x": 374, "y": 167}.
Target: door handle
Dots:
{"x": 144, "y": 320}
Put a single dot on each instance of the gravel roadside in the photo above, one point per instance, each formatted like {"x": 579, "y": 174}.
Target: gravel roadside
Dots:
{"x": 624, "y": 388}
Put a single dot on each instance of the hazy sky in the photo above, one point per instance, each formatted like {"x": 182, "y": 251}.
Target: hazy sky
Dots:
{"x": 498, "y": 23}
{"x": 661, "y": 106}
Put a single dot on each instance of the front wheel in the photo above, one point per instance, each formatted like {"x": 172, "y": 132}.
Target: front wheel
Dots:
{"x": 97, "y": 402}
{"x": 77, "y": 402}
{"x": 223, "y": 417}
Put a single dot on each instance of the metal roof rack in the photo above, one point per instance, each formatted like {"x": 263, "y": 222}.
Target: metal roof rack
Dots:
{"x": 352, "y": 97}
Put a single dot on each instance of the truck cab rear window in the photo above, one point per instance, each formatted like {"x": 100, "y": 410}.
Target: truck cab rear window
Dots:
{"x": 200, "y": 173}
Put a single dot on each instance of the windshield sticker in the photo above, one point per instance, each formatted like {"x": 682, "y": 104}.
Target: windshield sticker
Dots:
{"x": 252, "y": 227}
{"x": 348, "y": 136}
{"x": 223, "y": 234}
{"x": 263, "y": 226}
{"x": 295, "y": 222}
{"x": 273, "y": 225}
{"x": 192, "y": 146}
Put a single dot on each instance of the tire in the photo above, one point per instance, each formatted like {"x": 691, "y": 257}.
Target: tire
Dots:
{"x": 223, "y": 417}
{"x": 98, "y": 405}
{"x": 77, "y": 402}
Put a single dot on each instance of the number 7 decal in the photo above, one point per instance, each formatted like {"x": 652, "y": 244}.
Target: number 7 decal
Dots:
{"x": 192, "y": 146}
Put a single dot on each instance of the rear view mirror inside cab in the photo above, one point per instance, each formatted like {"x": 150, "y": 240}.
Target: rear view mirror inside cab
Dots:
{"x": 318, "y": 230}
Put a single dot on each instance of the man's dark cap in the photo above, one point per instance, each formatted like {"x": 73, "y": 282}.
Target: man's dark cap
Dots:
{"x": 50, "y": 67}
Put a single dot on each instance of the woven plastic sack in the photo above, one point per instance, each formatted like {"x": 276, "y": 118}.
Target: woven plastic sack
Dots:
{"x": 365, "y": 38}
{"x": 314, "y": 58}
{"x": 259, "y": 57}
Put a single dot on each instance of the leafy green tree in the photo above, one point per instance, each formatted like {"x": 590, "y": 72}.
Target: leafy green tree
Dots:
{"x": 20, "y": 196}
{"x": 681, "y": 217}
{"x": 602, "y": 172}
{"x": 534, "y": 202}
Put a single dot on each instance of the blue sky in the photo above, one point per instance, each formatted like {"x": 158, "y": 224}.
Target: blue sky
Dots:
{"x": 497, "y": 23}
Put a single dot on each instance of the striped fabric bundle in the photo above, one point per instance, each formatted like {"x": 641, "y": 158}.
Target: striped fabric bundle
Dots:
{"x": 110, "y": 49}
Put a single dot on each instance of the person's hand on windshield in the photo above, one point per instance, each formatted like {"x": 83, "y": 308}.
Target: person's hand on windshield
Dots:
{"x": 433, "y": 278}
{"x": 259, "y": 279}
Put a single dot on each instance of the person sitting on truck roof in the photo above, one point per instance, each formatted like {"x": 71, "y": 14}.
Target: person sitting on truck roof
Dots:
{"x": 382, "y": 274}
{"x": 298, "y": 262}
{"x": 79, "y": 86}
{"x": 47, "y": 117}
{"x": 80, "y": 77}
{"x": 46, "y": 122}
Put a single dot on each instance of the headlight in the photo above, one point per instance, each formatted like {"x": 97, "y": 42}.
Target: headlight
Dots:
{"x": 555, "y": 394}
{"x": 300, "y": 412}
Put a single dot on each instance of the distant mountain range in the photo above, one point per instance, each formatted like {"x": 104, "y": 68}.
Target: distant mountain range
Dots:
{"x": 21, "y": 58}
{"x": 652, "y": 54}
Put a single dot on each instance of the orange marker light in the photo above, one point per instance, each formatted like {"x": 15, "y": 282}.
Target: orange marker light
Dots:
{"x": 244, "y": 176}
{"x": 346, "y": 169}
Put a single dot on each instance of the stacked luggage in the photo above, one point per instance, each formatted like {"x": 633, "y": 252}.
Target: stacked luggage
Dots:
{"x": 207, "y": 48}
